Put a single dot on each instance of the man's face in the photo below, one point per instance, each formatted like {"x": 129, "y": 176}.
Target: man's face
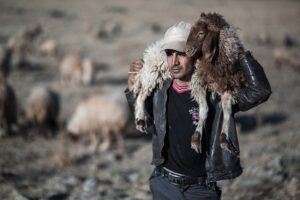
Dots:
{"x": 180, "y": 65}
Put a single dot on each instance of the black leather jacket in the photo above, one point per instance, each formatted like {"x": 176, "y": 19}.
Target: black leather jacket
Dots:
{"x": 220, "y": 163}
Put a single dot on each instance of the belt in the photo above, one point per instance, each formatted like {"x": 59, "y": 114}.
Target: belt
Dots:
{"x": 179, "y": 179}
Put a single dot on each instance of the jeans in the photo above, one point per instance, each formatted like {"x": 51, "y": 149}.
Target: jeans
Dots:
{"x": 162, "y": 189}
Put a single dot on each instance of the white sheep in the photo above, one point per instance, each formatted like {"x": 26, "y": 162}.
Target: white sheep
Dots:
{"x": 73, "y": 71}
{"x": 153, "y": 74}
{"x": 42, "y": 110}
{"x": 49, "y": 47}
{"x": 99, "y": 116}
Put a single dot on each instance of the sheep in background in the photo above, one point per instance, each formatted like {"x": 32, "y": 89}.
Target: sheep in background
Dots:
{"x": 73, "y": 71}
{"x": 8, "y": 108}
{"x": 70, "y": 69}
{"x": 5, "y": 58}
{"x": 49, "y": 47}
{"x": 99, "y": 116}
{"x": 20, "y": 43}
{"x": 42, "y": 110}
{"x": 88, "y": 69}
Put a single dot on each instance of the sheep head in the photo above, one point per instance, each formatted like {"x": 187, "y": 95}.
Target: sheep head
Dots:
{"x": 203, "y": 39}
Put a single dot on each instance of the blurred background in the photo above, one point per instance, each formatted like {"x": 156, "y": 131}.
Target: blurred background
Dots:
{"x": 68, "y": 63}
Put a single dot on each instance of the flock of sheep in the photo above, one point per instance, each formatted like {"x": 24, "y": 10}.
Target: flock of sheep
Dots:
{"x": 97, "y": 116}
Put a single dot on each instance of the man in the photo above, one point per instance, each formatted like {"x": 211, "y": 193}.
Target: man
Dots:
{"x": 180, "y": 172}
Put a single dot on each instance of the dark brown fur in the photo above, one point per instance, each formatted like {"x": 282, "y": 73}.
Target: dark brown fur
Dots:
{"x": 8, "y": 107}
{"x": 215, "y": 70}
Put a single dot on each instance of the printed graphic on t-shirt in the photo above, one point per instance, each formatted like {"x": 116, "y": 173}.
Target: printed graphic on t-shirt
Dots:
{"x": 195, "y": 115}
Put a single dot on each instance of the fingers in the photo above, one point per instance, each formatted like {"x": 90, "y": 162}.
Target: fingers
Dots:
{"x": 135, "y": 67}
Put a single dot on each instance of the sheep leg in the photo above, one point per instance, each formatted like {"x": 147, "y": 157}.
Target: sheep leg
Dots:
{"x": 226, "y": 100}
{"x": 120, "y": 141}
{"x": 196, "y": 141}
{"x": 140, "y": 114}
{"x": 94, "y": 142}
{"x": 106, "y": 140}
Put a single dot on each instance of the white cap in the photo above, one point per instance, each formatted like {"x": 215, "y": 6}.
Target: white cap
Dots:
{"x": 176, "y": 36}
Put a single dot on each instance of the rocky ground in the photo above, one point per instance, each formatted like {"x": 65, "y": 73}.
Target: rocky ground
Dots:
{"x": 114, "y": 33}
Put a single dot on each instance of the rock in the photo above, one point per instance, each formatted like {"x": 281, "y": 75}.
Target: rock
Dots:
{"x": 60, "y": 186}
{"x": 248, "y": 182}
{"x": 133, "y": 177}
{"x": 289, "y": 41}
{"x": 291, "y": 163}
{"x": 57, "y": 14}
{"x": 88, "y": 190}
{"x": 156, "y": 28}
{"x": 17, "y": 196}
{"x": 293, "y": 188}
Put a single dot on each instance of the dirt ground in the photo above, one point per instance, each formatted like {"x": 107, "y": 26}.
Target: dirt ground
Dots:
{"x": 269, "y": 134}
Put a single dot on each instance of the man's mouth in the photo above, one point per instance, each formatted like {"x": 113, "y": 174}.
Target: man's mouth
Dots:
{"x": 175, "y": 70}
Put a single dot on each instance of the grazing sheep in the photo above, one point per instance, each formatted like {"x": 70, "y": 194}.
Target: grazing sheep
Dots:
{"x": 99, "y": 116}
{"x": 217, "y": 47}
{"x": 8, "y": 107}
{"x": 42, "y": 110}
{"x": 22, "y": 39}
{"x": 70, "y": 69}
{"x": 74, "y": 72}
{"x": 49, "y": 47}
{"x": 19, "y": 45}
{"x": 105, "y": 30}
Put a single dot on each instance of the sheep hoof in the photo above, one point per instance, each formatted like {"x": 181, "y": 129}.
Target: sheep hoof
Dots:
{"x": 224, "y": 142}
{"x": 196, "y": 142}
{"x": 141, "y": 125}
{"x": 227, "y": 145}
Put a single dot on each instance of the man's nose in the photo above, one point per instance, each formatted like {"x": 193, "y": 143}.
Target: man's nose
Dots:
{"x": 175, "y": 60}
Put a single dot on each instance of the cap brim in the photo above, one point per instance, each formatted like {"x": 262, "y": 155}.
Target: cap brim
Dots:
{"x": 178, "y": 46}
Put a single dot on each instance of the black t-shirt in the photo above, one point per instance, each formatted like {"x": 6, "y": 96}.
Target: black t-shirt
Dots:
{"x": 182, "y": 119}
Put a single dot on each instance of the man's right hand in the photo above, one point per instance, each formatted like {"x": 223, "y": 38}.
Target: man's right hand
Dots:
{"x": 135, "y": 67}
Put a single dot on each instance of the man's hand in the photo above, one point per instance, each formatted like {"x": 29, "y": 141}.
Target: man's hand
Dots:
{"x": 135, "y": 67}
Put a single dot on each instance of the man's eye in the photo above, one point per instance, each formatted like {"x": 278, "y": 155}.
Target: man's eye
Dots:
{"x": 181, "y": 54}
{"x": 169, "y": 53}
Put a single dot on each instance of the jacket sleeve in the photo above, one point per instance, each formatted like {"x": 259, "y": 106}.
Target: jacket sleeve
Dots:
{"x": 131, "y": 98}
{"x": 257, "y": 89}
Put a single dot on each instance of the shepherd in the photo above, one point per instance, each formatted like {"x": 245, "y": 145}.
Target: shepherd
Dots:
{"x": 172, "y": 106}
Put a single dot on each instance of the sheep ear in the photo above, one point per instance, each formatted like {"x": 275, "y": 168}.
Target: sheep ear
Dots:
{"x": 210, "y": 45}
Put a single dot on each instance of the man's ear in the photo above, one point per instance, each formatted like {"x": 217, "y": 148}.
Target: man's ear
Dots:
{"x": 210, "y": 45}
